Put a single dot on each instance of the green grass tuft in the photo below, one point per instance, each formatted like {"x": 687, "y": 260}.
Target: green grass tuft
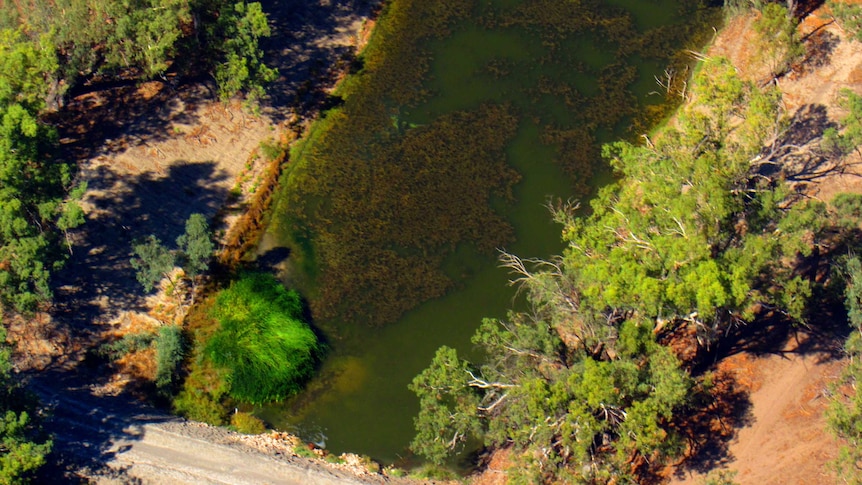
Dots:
{"x": 262, "y": 342}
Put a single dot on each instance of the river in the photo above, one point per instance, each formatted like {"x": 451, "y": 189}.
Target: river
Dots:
{"x": 464, "y": 122}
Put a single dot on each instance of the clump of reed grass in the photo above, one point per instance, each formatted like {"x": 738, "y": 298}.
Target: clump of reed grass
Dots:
{"x": 262, "y": 342}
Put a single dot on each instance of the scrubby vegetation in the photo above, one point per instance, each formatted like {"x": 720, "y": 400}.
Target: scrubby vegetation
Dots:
{"x": 845, "y": 411}
{"x": 154, "y": 262}
{"x": 247, "y": 423}
{"x": 22, "y": 450}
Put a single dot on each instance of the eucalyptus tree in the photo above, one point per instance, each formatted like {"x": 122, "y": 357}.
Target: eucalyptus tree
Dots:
{"x": 35, "y": 206}
{"x": 696, "y": 233}
{"x": 147, "y": 38}
{"x": 154, "y": 262}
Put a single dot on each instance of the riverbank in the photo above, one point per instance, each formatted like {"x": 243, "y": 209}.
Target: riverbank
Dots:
{"x": 144, "y": 184}
{"x": 152, "y": 154}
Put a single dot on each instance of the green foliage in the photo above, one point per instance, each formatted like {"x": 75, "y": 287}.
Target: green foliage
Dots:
{"x": 430, "y": 471}
{"x": 847, "y": 209}
{"x": 720, "y": 477}
{"x": 152, "y": 262}
{"x": 239, "y": 28}
{"x": 449, "y": 411}
{"x": 395, "y": 472}
{"x": 20, "y": 456}
{"x": 691, "y": 234}
{"x": 20, "y": 453}
{"x": 848, "y": 136}
{"x": 560, "y": 414}
{"x": 848, "y": 15}
{"x": 844, "y": 415}
{"x": 272, "y": 149}
{"x": 262, "y": 342}
{"x": 149, "y": 37}
{"x": 733, "y": 8}
{"x": 247, "y": 423}
{"x": 305, "y": 451}
{"x": 195, "y": 246}
{"x": 779, "y": 41}
{"x": 204, "y": 393}
{"x": 170, "y": 350}
{"x": 33, "y": 187}
{"x": 131, "y": 342}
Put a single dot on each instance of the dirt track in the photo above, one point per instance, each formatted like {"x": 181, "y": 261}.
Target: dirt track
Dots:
{"x": 109, "y": 439}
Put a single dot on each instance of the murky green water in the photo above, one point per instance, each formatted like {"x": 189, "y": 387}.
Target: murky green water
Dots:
{"x": 570, "y": 88}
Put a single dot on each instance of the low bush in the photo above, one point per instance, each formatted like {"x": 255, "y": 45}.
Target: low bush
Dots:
{"x": 129, "y": 343}
{"x": 247, "y": 423}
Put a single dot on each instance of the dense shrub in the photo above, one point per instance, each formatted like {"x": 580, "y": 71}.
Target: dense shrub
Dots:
{"x": 262, "y": 343}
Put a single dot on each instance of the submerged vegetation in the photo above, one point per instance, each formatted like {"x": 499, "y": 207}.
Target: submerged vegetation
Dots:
{"x": 391, "y": 182}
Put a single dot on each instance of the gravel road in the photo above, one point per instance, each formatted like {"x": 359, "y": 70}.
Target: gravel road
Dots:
{"x": 114, "y": 439}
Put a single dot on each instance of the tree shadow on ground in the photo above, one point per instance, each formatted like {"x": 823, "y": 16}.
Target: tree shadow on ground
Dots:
{"x": 710, "y": 423}
{"x": 88, "y": 430}
{"x": 108, "y": 120}
{"x": 806, "y": 7}
{"x": 796, "y": 154}
{"x": 820, "y": 46}
{"x": 308, "y": 52}
{"x": 98, "y": 281}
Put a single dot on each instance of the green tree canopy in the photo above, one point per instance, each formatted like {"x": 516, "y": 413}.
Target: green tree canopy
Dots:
{"x": 34, "y": 200}
{"x": 696, "y": 232}
{"x": 98, "y": 37}
{"x": 20, "y": 452}
{"x": 845, "y": 411}
{"x": 152, "y": 262}
{"x": 195, "y": 246}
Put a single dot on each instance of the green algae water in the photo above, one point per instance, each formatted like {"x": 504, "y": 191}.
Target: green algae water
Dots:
{"x": 466, "y": 120}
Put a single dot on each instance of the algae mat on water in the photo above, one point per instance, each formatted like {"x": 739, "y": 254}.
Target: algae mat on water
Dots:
{"x": 415, "y": 162}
